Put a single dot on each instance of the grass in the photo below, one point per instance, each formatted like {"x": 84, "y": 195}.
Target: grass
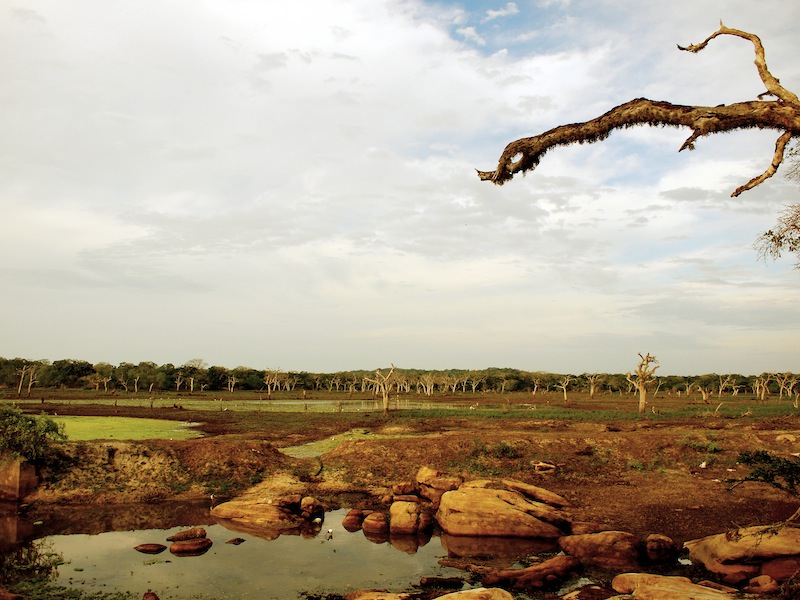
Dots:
{"x": 82, "y": 429}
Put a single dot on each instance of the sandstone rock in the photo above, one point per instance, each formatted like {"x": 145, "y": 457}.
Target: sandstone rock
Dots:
{"x": 535, "y": 576}
{"x": 311, "y": 507}
{"x": 661, "y": 587}
{"x": 781, "y": 569}
{"x": 406, "y": 498}
{"x": 538, "y": 493}
{"x": 406, "y": 518}
{"x": 352, "y": 520}
{"x": 738, "y": 554}
{"x": 375, "y": 595}
{"x": 150, "y": 548}
{"x": 404, "y": 489}
{"x": 193, "y": 547}
{"x": 261, "y": 518}
{"x": 490, "y": 512}
{"x": 375, "y": 523}
{"x": 236, "y": 541}
{"x": 763, "y": 584}
{"x": 148, "y": 595}
{"x": 432, "y": 484}
{"x": 613, "y": 550}
{"x": 660, "y": 548}
{"x": 189, "y": 534}
{"x": 579, "y": 527}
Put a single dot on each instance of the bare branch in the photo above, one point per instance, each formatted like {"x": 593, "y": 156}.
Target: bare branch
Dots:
{"x": 782, "y": 115}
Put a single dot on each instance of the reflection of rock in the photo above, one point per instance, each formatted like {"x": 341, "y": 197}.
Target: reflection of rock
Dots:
{"x": 150, "y": 548}
{"x": 660, "y": 587}
{"x": 189, "y": 534}
{"x": 606, "y": 550}
{"x": 474, "y": 594}
{"x": 194, "y": 547}
{"x": 535, "y": 576}
{"x": 504, "y": 513}
{"x": 270, "y": 518}
{"x": 472, "y": 547}
{"x": 744, "y": 553}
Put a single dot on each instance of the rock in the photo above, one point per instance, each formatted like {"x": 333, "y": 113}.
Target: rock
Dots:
{"x": 661, "y": 587}
{"x": 150, "y": 548}
{"x": 660, "y": 549}
{"x": 612, "y": 550}
{"x": 193, "y": 547}
{"x": 591, "y": 591}
{"x": 311, "y": 507}
{"x": 236, "y": 541}
{"x": 432, "y": 484}
{"x": 785, "y": 438}
{"x": 763, "y": 584}
{"x": 738, "y": 555}
{"x": 375, "y": 595}
{"x": 148, "y": 595}
{"x": 407, "y": 518}
{"x": 352, "y": 520}
{"x": 579, "y": 527}
{"x": 265, "y": 518}
{"x": 441, "y": 582}
{"x": 404, "y": 489}
{"x": 505, "y": 513}
{"x": 375, "y": 523}
{"x": 781, "y": 569}
{"x": 189, "y": 534}
{"x": 406, "y": 498}
{"x": 479, "y": 594}
{"x": 535, "y": 576}
{"x": 538, "y": 493}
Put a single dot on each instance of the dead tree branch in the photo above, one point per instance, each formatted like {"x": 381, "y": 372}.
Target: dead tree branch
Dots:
{"x": 782, "y": 114}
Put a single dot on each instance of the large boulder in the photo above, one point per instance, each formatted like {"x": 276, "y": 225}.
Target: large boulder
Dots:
{"x": 612, "y": 550}
{"x": 407, "y": 518}
{"x": 479, "y": 511}
{"x": 742, "y": 554}
{"x": 432, "y": 484}
{"x": 266, "y": 518}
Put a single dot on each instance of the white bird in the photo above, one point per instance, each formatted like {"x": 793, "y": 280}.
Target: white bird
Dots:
{"x": 329, "y": 535}
{"x": 317, "y": 521}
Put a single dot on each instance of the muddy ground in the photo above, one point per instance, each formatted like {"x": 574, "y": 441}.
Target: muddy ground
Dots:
{"x": 639, "y": 476}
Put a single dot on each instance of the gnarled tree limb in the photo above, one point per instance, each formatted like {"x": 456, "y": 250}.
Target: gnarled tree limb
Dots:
{"x": 782, "y": 114}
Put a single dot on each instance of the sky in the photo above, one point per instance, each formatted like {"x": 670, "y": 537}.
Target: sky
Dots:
{"x": 295, "y": 189}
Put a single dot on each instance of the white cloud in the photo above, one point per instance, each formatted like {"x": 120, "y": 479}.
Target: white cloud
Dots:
{"x": 302, "y": 184}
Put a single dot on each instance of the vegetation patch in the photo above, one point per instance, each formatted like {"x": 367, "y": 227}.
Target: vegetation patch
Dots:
{"x": 84, "y": 428}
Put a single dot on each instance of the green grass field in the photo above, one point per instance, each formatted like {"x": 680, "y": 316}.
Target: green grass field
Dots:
{"x": 123, "y": 428}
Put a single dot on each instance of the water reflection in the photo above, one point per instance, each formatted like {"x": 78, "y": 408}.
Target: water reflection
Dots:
{"x": 290, "y": 566}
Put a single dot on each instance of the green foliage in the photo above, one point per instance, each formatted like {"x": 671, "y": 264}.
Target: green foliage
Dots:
{"x": 779, "y": 472}
{"x": 29, "y": 437}
{"x": 699, "y": 445}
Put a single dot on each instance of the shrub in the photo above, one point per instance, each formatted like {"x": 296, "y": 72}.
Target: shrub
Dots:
{"x": 29, "y": 437}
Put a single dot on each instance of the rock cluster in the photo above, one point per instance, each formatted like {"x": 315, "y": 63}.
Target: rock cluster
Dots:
{"x": 190, "y": 542}
{"x": 473, "y": 514}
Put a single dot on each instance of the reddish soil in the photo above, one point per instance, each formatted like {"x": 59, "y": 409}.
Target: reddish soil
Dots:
{"x": 640, "y": 477}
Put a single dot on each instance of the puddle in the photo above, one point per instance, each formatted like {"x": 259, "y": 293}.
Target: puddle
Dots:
{"x": 291, "y": 566}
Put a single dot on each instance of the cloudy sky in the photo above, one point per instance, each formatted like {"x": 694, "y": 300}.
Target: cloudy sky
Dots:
{"x": 295, "y": 188}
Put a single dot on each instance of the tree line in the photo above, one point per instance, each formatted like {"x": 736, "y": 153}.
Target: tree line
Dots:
{"x": 23, "y": 376}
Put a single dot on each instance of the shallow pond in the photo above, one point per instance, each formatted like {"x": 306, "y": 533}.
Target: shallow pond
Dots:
{"x": 291, "y": 566}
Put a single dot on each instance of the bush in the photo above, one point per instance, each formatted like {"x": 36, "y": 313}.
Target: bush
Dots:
{"x": 29, "y": 437}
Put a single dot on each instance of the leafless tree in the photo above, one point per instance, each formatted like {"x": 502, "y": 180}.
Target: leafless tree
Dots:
{"x": 383, "y": 384}
{"x": 643, "y": 377}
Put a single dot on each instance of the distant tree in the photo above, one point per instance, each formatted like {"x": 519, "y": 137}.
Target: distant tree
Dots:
{"x": 593, "y": 379}
{"x": 563, "y": 384}
{"x": 217, "y": 378}
{"x": 781, "y": 114}
{"x": 193, "y": 371}
{"x": 67, "y": 373}
{"x": 383, "y": 385}
{"x": 643, "y": 377}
